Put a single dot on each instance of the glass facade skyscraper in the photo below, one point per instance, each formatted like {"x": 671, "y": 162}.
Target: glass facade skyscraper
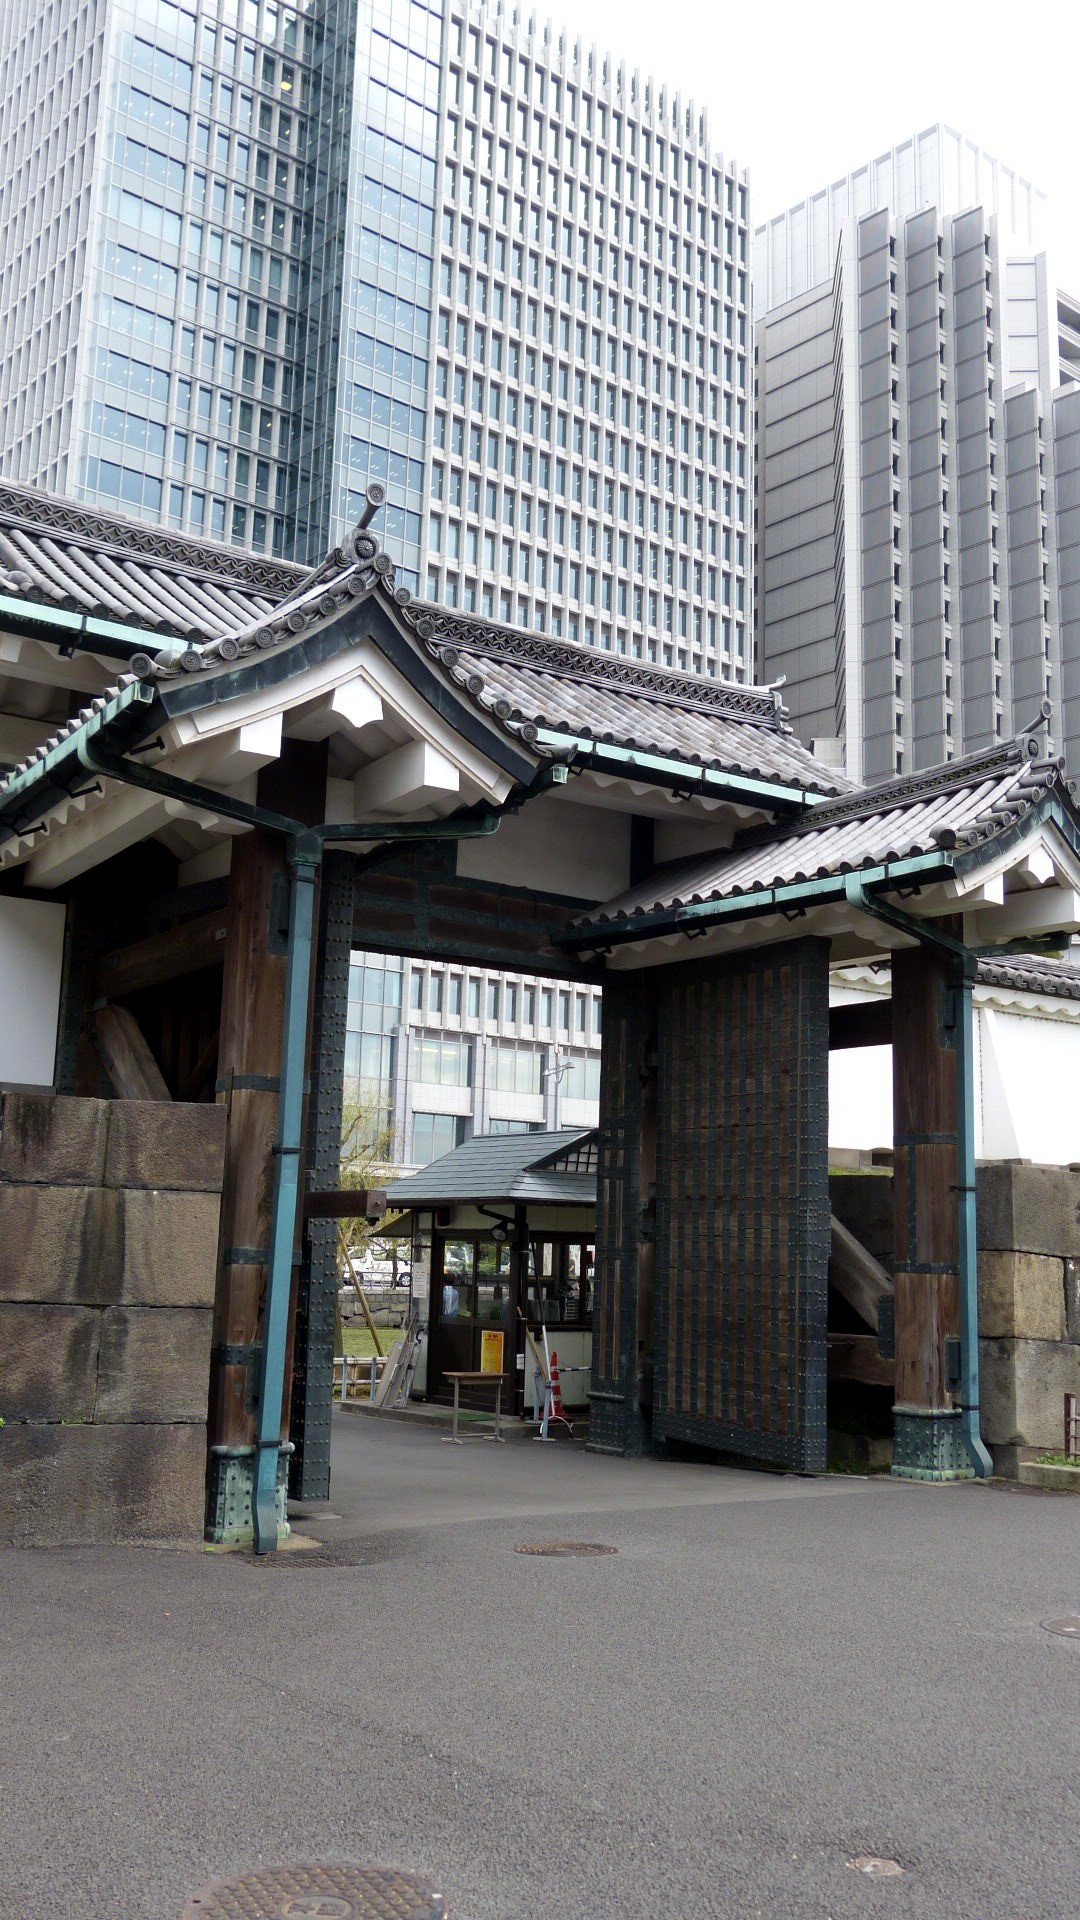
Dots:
{"x": 263, "y": 254}
{"x": 172, "y": 388}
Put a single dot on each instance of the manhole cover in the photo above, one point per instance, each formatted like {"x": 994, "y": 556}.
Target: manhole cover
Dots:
{"x": 1070, "y": 1625}
{"x": 553, "y": 1547}
{"x": 876, "y": 1867}
{"x": 318, "y": 1893}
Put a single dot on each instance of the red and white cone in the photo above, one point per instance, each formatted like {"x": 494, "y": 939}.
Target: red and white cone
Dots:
{"x": 556, "y": 1390}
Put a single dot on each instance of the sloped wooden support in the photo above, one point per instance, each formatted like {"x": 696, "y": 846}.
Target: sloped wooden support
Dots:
{"x": 129, "y": 1063}
{"x": 857, "y": 1276}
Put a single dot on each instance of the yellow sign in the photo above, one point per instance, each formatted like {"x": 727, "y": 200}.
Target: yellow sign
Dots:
{"x": 491, "y": 1352}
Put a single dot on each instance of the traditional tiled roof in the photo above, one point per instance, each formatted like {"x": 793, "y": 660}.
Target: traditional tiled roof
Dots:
{"x": 1058, "y": 979}
{"x": 527, "y": 684}
{"x": 953, "y": 809}
{"x": 531, "y": 682}
{"x": 555, "y": 1169}
{"x": 102, "y": 564}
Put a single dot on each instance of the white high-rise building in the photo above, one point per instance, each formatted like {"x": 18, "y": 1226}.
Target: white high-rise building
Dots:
{"x": 916, "y": 542}
{"x": 259, "y": 255}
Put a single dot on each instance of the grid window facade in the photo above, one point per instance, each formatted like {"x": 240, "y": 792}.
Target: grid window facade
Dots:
{"x": 589, "y": 433}
{"x": 516, "y": 294}
{"x": 167, "y": 383}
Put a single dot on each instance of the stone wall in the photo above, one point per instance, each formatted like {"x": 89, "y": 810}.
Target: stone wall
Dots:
{"x": 1028, "y": 1231}
{"x": 1029, "y": 1306}
{"x": 108, "y": 1251}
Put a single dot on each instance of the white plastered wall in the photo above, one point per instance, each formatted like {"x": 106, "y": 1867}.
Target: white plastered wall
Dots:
{"x": 31, "y": 959}
{"x": 1027, "y": 1083}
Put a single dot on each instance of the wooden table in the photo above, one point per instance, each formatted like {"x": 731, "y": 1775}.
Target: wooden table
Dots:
{"x": 461, "y": 1379}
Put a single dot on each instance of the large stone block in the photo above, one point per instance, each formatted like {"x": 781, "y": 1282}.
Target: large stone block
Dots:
{"x": 154, "y": 1143}
{"x": 50, "y": 1361}
{"x": 48, "y": 1137}
{"x": 61, "y": 1243}
{"x": 86, "y": 1486}
{"x": 1030, "y": 1209}
{"x": 1021, "y": 1296}
{"x": 97, "y": 1246}
{"x": 1024, "y": 1383}
{"x": 154, "y": 1364}
{"x": 169, "y": 1256}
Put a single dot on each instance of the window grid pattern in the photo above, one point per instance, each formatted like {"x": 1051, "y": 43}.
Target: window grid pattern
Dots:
{"x": 181, "y": 337}
{"x": 590, "y": 431}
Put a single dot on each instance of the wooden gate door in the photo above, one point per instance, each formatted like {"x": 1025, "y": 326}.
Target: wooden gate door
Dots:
{"x": 742, "y": 1205}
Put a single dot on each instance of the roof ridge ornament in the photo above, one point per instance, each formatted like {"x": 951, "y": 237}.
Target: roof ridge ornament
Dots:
{"x": 446, "y": 630}
{"x": 1042, "y": 719}
{"x": 114, "y": 534}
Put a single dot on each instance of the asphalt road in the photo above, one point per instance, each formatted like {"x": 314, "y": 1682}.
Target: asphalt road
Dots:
{"x": 769, "y": 1678}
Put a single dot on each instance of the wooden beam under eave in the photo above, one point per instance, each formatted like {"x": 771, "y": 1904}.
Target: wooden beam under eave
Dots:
{"x": 180, "y": 950}
{"x": 130, "y": 1065}
{"x": 346, "y": 1203}
{"x": 88, "y": 839}
{"x": 23, "y": 658}
{"x": 19, "y": 736}
{"x": 1042, "y": 910}
{"x": 861, "y": 1024}
{"x": 413, "y": 776}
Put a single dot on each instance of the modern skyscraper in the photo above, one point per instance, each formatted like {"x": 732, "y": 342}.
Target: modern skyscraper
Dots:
{"x": 154, "y": 168}
{"x": 916, "y": 551}
{"x": 261, "y": 255}
{"x": 442, "y": 1052}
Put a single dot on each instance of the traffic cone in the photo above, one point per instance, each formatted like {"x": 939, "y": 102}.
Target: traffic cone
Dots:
{"x": 557, "y": 1412}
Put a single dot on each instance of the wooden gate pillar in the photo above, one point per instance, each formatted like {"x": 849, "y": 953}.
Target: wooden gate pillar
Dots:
{"x": 626, "y": 1171}
{"x": 927, "y": 1172}
{"x": 248, "y": 1081}
{"x": 249, "y": 1065}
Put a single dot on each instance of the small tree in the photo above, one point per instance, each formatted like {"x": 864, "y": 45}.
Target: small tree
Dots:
{"x": 366, "y": 1161}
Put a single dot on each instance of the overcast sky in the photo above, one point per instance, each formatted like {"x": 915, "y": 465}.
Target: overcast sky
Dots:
{"x": 801, "y": 94}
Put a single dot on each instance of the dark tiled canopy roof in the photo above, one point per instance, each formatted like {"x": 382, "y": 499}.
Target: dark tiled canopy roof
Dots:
{"x": 554, "y": 1169}
{"x": 524, "y": 683}
{"x": 954, "y": 808}
{"x": 85, "y": 561}
{"x": 564, "y": 686}
{"x": 528, "y": 681}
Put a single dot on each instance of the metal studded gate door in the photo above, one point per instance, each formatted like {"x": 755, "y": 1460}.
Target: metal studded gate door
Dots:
{"x": 742, "y": 1205}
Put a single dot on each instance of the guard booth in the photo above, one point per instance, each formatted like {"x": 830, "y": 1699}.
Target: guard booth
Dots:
{"x": 502, "y": 1232}
{"x": 346, "y": 766}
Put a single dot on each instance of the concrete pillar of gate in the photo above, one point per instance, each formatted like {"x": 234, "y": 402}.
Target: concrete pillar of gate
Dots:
{"x": 625, "y": 1220}
{"x": 927, "y": 1170}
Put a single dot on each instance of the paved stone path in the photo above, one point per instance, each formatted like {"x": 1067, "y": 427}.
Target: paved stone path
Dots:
{"x": 770, "y": 1677}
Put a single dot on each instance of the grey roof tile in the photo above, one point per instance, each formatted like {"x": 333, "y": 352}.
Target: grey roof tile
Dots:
{"x": 513, "y": 1167}
{"x": 1059, "y": 979}
{"x": 225, "y": 604}
{"x": 124, "y": 570}
{"x": 956, "y": 806}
